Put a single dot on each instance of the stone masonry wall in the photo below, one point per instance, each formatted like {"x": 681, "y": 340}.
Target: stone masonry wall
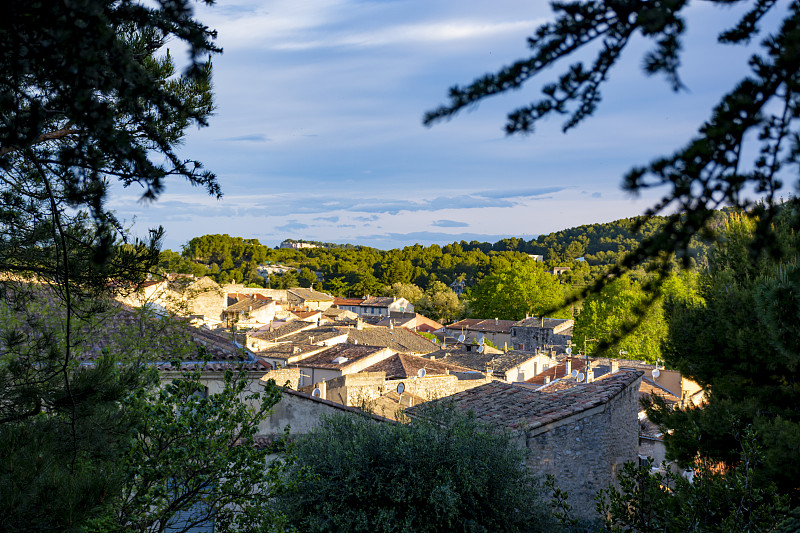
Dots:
{"x": 584, "y": 452}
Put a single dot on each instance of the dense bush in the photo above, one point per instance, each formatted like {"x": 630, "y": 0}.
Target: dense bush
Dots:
{"x": 441, "y": 472}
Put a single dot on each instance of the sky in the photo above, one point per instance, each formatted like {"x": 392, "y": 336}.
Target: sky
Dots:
{"x": 318, "y": 129}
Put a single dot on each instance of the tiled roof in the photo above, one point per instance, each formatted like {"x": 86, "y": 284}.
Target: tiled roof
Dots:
{"x": 314, "y": 335}
{"x": 352, "y": 353}
{"x": 347, "y": 301}
{"x": 402, "y": 365}
{"x": 543, "y": 323}
{"x": 558, "y": 371}
{"x": 311, "y": 295}
{"x": 287, "y": 349}
{"x": 396, "y": 321}
{"x": 398, "y": 339}
{"x": 378, "y": 301}
{"x": 248, "y": 304}
{"x": 650, "y": 387}
{"x": 283, "y": 331}
{"x": 499, "y": 363}
{"x": 307, "y": 315}
{"x": 509, "y": 406}
{"x": 485, "y": 325}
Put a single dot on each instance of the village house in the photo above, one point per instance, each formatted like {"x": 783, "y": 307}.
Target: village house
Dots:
{"x": 494, "y": 330}
{"x": 581, "y": 435}
{"x": 309, "y": 299}
{"x": 249, "y": 312}
{"x": 512, "y": 366}
{"x": 384, "y": 306}
{"x": 399, "y": 340}
{"x": 339, "y": 360}
{"x": 532, "y": 334}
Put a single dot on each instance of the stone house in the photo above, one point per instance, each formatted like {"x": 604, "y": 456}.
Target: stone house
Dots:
{"x": 309, "y": 299}
{"x": 399, "y": 340}
{"x": 384, "y": 306}
{"x": 339, "y": 360}
{"x": 581, "y": 435}
{"x": 494, "y": 330}
{"x": 532, "y": 334}
{"x": 512, "y": 366}
{"x": 249, "y": 312}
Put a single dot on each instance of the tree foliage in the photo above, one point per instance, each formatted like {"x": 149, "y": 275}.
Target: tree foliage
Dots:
{"x": 442, "y": 472}
{"x": 740, "y": 343}
{"x": 519, "y": 289}
{"x": 714, "y": 500}
{"x": 193, "y": 460}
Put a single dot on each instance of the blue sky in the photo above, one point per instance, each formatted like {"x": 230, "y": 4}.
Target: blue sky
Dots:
{"x": 318, "y": 133}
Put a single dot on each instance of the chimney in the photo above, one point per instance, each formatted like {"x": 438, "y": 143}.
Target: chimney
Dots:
{"x": 496, "y": 322}
{"x": 614, "y": 366}
{"x": 359, "y": 324}
{"x": 323, "y": 390}
{"x": 547, "y": 380}
{"x": 433, "y": 358}
{"x": 569, "y": 367}
{"x": 589, "y": 375}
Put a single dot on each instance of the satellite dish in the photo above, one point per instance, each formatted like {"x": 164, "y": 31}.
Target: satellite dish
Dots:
{"x": 580, "y": 377}
{"x": 461, "y": 338}
{"x": 568, "y": 350}
{"x": 400, "y": 388}
{"x": 481, "y": 340}
{"x": 316, "y": 392}
{"x": 574, "y": 373}
{"x": 421, "y": 372}
{"x": 656, "y": 372}
{"x": 480, "y": 348}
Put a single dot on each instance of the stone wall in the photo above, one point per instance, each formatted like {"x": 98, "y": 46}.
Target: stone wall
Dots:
{"x": 302, "y": 413}
{"x": 584, "y": 451}
{"x": 364, "y": 387}
{"x": 532, "y": 338}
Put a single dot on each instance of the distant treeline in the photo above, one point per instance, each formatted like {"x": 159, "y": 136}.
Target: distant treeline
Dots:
{"x": 352, "y": 270}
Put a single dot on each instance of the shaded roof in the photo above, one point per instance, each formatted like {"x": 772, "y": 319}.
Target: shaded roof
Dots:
{"x": 499, "y": 362}
{"x": 397, "y": 321}
{"x": 398, "y": 339}
{"x": 545, "y": 323}
{"x": 481, "y": 324}
{"x": 314, "y": 335}
{"x": 402, "y": 365}
{"x": 379, "y": 301}
{"x": 504, "y": 405}
{"x": 248, "y": 304}
{"x": 283, "y": 330}
{"x": 310, "y": 295}
{"x": 351, "y": 352}
{"x": 650, "y": 387}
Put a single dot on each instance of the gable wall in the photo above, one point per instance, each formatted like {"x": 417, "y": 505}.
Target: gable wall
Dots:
{"x": 585, "y": 451}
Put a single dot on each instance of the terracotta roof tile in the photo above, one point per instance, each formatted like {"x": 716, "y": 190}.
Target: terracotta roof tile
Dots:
{"x": 404, "y": 365}
{"x": 398, "y": 339}
{"x": 509, "y": 406}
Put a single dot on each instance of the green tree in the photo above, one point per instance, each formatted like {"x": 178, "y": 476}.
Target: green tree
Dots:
{"x": 87, "y": 96}
{"x": 306, "y": 278}
{"x": 409, "y": 291}
{"x": 714, "y": 501}
{"x": 440, "y": 303}
{"x": 741, "y": 344}
{"x": 441, "y": 472}
{"x": 622, "y": 308}
{"x": 517, "y": 290}
{"x": 193, "y": 460}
